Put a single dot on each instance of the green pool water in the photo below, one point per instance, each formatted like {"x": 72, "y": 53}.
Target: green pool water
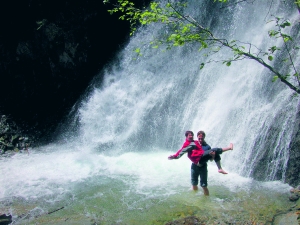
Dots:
{"x": 105, "y": 201}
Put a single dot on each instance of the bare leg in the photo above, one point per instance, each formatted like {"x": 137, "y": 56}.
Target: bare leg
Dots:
{"x": 195, "y": 187}
{"x": 206, "y": 191}
{"x": 230, "y": 147}
{"x": 220, "y": 168}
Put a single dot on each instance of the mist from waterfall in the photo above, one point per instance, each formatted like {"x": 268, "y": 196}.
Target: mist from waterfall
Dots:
{"x": 147, "y": 102}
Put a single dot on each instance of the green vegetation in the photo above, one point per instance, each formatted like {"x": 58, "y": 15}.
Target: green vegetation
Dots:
{"x": 183, "y": 29}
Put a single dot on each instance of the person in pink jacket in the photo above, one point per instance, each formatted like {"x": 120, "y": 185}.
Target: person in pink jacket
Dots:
{"x": 193, "y": 148}
{"x": 199, "y": 157}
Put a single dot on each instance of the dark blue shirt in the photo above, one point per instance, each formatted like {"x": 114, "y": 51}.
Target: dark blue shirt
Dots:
{"x": 205, "y": 147}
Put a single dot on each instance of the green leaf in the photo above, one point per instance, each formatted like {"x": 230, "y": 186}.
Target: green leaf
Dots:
{"x": 273, "y": 49}
{"x": 173, "y": 36}
{"x": 286, "y": 37}
{"x": 228, "y": 63}
{"x": 274, "y": 78}
{"x": 137, "y": 50}
{"x": 270, "y": 58}
{"x": 201, "y": 66}
{"x": 285, "y": 60}
{"x": 273, "y": 33}
{"x": 285, "y": 24}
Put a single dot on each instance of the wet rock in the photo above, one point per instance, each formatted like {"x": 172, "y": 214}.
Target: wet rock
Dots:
{"x": 294, "y": 197}
{"x": 295, "y": 190}
{"x": 290, "y": 218}
{"x": 4, "y": 219}
{"x": 293, "y": 166}
{"x": 295, "y": 194}
{"x": 12, "y": 139}
{"x": 190, "y": 220}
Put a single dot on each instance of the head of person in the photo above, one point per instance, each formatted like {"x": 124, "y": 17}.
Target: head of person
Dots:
{"x": 189, "y": 135}
{"x": 201, "y": 136}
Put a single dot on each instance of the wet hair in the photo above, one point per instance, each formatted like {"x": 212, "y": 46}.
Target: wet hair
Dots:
{"x": 188, "y": 132}
{"x": 201, "y": 132}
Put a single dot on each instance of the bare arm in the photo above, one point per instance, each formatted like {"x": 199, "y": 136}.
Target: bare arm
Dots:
{"x": 190, "y": 147}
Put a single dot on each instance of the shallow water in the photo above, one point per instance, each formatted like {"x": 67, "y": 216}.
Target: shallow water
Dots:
{"x": 132, "y": 188}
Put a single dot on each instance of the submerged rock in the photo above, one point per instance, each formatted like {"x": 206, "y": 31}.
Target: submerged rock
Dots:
{"x": 290, "y": 218}
{"x": 4, "y": 219}
{"x": 190, "y": 220}
{"x": 295, "y": 194}
{"x": 12, "y": 139}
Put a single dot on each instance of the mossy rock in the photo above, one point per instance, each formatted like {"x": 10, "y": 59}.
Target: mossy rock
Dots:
{"x": 190, "y": 220}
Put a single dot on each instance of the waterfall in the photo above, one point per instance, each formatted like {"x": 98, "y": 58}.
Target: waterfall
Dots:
{"x": 146, "y": 102}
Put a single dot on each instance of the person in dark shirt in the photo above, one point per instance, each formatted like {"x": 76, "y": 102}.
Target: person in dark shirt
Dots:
{"x": 211, "y": 154}
{"x": 199, "y": 155}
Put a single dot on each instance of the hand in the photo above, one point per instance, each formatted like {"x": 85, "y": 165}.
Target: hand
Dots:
{"x": 171, "y": 157}
{"x": 212, "y": 153}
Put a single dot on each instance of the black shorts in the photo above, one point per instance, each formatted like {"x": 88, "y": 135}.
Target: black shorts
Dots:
{"x": 197, "y": 171}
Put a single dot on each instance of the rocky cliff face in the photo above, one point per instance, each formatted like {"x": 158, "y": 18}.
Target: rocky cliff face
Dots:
{"x": 293, "y": 166}
{"x": 290, "y": 174}
{"x": 49, "y": 52}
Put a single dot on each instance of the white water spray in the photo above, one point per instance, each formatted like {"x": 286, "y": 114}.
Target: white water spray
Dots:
{"x": 148, "y": 101}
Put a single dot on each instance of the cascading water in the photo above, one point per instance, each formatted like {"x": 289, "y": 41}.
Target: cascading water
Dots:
{"x": 149, "y": 102}
{"x": 114, "y": 170}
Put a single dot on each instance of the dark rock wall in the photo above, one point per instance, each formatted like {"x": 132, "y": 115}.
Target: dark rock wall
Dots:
{"x": 49, "y": 52}
{"x": 290, "y": 173}
{"x": 293, "y": 166}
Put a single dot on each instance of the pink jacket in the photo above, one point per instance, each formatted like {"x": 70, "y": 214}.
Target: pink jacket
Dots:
{"x": 194, "y": 150}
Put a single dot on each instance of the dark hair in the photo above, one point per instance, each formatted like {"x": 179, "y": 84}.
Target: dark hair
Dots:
{"x": 188, "y": 132}
{"x": 201, "y": 132}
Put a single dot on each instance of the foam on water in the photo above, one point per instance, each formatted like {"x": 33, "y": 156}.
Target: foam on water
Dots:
{"x": 42, "y": 174}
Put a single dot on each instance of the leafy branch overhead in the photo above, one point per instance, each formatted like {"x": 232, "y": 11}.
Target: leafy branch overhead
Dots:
{"x": 183, "y": 29}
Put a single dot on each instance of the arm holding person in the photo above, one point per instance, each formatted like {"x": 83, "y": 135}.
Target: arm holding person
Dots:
{"x": 199, "y": 152}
